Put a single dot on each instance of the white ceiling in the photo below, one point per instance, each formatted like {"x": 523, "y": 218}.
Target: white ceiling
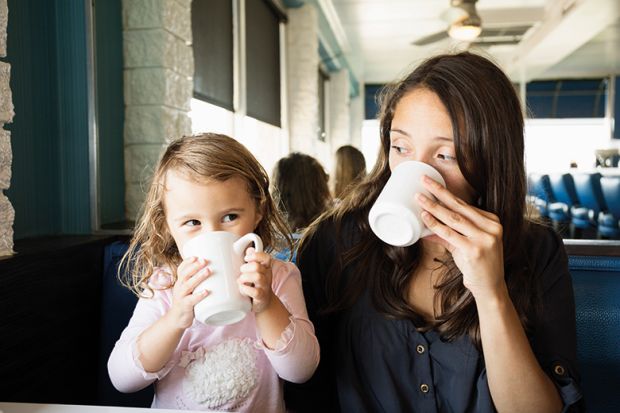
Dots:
{"x": 568, "y": 38}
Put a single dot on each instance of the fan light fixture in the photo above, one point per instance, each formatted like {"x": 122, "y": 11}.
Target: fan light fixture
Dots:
{"x": 467, "y": 27}
{"x": 464, "y": 31}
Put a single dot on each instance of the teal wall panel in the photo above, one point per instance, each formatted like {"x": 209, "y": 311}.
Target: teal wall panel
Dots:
{"x": 34, "y": 132}
{"x": 49, "y": 135}
{"x": 73, "y": 116}
{"x": 110, "y": 109}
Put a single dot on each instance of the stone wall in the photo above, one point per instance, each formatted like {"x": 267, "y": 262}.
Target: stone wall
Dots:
{"x": 159, "y": 66}
{"x": 302, "y": 50}
{"x": 7, "y": 213}
{"x": 339, "y": 104}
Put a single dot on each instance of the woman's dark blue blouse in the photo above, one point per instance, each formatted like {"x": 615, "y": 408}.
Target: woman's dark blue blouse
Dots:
{"x": 371, "y": 363}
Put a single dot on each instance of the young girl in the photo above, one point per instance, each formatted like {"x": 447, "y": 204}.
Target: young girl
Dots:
{"x": 211, "y": 183}
{"x": 478, "y": 317}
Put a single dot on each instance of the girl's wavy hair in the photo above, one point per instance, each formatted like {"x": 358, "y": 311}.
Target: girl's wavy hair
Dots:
{"x": 487, "y": 127}
{"x": 201, "y": 158}
{"x": 300, "y": 189}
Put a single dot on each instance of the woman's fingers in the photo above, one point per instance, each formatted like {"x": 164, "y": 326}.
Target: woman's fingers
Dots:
{"x": 478, "y": 216}
{"x": 452, "y": 238}
{"x": 452, "y": 219}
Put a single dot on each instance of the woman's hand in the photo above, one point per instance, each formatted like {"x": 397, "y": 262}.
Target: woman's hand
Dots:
{"x": 471, "y": 235}
{"x": 255, "y": 279}
{"x": 190, "y": 273}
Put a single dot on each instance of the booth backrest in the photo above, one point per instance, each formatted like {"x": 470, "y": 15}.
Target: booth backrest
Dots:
{"x": 116, "y": 309}
{"x": 596, "y": 282}
{"x": 563, "y": 187}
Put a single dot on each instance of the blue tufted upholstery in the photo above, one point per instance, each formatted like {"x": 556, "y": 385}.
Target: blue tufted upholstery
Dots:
{"x": 609, "y": 221}
{"x": 563, "y": 188}
{"x": 539, "y": 187}
{"x": 117, "y": 305}
{"x": 596, "y": 282}
{"x": 591, "y": 201}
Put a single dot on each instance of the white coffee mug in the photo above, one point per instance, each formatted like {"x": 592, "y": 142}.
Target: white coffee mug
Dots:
{"x": 224, "y": 252}
{"x": 395, "y": 216}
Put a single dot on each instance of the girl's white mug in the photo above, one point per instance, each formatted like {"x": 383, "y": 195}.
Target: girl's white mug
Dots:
{"x": 224, "y": 252}
{"x": 395, "y": 215}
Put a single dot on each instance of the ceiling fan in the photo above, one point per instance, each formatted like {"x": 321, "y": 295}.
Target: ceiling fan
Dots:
{"x": 464, "y": 23}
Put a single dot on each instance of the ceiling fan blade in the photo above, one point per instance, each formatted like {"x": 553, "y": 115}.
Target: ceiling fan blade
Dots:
{"x": 432, "y": 38}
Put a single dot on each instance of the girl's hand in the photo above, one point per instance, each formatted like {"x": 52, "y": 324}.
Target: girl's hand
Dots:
{"x": 191, "y": 272}
{"x": 255, "y": 279}
{"x": 471, "y": 235}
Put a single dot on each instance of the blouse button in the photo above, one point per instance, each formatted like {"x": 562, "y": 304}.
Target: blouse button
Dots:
{"x": 559, "y": 370}
{"x": 420, "y": 348}
{"x": 424, "y": 388}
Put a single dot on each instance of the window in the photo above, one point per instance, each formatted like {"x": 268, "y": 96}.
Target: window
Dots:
{"x": 583, "y": 98}
{"x": 371, "y": 105}
{"x": 263, "y": 61}
{"x": 212, "y": 32}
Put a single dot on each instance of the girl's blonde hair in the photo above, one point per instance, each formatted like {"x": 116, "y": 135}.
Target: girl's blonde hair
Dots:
{"x": 203, "y": 157}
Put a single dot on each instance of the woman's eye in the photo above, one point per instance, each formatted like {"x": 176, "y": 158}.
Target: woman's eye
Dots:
{"x": 192, "y": 223}
{"x": 446, "y": 157}
{"x": 229, "y": 217}
{"x": 398, "y": 149}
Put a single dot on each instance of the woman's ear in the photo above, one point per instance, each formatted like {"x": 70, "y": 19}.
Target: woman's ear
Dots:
{"x": 260, "y": 208}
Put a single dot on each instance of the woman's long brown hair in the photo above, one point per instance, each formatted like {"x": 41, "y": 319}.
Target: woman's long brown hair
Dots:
{"x": 350, "y": 169}
{"x": 201, "y": 158}
{"x": 300, "y": 189}
{"x": 488, "y": 138}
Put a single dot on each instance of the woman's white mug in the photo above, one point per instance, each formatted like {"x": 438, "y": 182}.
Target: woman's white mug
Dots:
{"x": 395, "y": 215}
{"x": 224, "y": 252}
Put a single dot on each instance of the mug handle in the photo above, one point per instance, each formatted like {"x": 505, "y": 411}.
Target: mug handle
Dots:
{"x": 242, "y": 243}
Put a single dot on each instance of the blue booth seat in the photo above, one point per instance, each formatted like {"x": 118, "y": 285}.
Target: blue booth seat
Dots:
{"x": 539, "y": 188}
{"x": 609, "y": 221}
{"x": 117, "y": 307}
{"x": 591, "y": 201}
{"x": 596, "y": 283}
{"x": 564, "y": 192}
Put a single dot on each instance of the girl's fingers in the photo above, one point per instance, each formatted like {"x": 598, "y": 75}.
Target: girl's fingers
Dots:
{"x": 262, "y": 258}
{"x": 189, "y": 267}
{"x": 248, "y": 278}
{"x": 198, "y": 278}
{"x": 248, "y": 290}
{"x": 195, "y": 297}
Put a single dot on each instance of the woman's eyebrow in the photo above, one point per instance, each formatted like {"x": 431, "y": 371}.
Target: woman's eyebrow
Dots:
{"x": 400, "y": 131}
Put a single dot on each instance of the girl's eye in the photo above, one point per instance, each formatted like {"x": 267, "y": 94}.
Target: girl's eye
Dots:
{"x": 229, "y": 217}
{"x": 192, "y": 223}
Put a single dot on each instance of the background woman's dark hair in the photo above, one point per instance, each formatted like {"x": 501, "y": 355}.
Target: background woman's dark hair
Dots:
{"x": 350, "y": 168}
{"x": 488, "y": 137}
{"x": 300, "y": 189}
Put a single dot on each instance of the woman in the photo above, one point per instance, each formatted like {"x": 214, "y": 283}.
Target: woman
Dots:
{"x": 478, "y": 317}
{"x": 300, "y": 190}
{"x": 350, "y": 169}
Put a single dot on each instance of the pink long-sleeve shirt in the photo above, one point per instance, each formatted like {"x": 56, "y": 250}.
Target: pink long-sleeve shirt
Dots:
{"x": 226, "y": 368}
